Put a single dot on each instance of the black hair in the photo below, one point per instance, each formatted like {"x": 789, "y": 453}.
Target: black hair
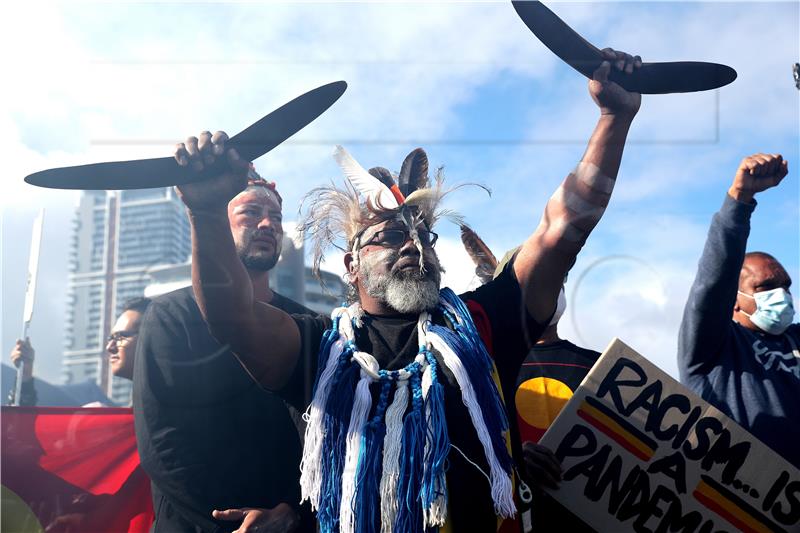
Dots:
{"x": 138, "y": 304}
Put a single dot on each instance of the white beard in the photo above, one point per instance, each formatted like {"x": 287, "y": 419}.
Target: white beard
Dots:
{"x": 405, "y": 292}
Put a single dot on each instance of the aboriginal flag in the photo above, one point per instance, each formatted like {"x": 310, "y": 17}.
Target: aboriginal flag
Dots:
{"x": 72, "y": 469}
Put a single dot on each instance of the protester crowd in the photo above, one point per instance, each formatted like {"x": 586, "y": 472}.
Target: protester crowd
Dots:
{"x": 416, "y": 387}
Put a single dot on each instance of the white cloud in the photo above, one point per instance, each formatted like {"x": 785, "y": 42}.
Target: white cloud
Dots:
{"x": 146, "y": 75}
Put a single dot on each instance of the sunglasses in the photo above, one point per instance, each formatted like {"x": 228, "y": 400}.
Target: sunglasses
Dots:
{"x": 120, "y": 336}
{"x": 397, "y": 237}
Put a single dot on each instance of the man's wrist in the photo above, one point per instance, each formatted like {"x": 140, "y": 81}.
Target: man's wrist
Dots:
{"x": 745, "y": 197}
{"x": 617, "y": 117}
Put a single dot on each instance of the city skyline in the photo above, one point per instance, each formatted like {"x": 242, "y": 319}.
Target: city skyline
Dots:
{"x": 116, "y": 238}
{"x": 467, "y": 81}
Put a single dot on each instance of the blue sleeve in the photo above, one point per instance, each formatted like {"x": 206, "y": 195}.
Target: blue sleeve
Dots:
{"x": 706, "y": 320}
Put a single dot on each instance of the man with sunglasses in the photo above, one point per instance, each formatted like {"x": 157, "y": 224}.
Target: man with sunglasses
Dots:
{"x": 121, "y": 343}
{"x": 408, "y": 375}
{"x": 120, "y": 349}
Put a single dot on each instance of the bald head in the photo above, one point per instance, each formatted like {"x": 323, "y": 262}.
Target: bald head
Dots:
{"x": 760, "y": 272}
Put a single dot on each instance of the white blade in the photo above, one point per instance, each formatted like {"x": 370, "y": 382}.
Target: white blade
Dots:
{"x": 33, "y": 268}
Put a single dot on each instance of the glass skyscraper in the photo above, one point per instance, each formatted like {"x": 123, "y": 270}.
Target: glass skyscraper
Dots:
{"x": 116, "y": 238}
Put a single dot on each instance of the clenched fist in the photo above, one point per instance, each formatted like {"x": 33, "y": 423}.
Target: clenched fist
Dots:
{"x": 212, "y": 194}
{"x": 757, "y": 173}
{"x": 609, "y": 96}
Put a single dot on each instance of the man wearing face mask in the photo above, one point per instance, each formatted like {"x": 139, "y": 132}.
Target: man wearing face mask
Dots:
{"x": 748, "y": 367}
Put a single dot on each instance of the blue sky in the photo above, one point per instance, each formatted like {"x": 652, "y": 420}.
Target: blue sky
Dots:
{"x": 96, "y": 81}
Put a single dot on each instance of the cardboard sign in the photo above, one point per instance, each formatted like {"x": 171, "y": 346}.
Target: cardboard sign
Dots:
{"x": 640, "y": 452}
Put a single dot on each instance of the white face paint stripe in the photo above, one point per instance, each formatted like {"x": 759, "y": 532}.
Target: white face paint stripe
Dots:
{"x": 257, "y": 190}
{"x": 569, "y": 215}
{"x": 578, "y": 208}
{"x": 567, "y": 231}
{"x": 576, "y": 204}
{"x": 590, "y": 174}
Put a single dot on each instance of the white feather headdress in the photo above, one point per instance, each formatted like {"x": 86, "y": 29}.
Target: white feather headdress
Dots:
{"x": 332, "y": 216}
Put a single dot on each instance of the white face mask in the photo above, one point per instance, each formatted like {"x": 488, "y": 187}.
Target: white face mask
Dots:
{"x": 774, "y": 310}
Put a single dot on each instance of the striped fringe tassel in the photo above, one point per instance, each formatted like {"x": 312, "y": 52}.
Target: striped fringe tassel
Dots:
{"x": 336, "y": 421}
{"x": 502, "y": 489}
{"x": 409, "y": 513}
{"x": 390, "y": 475}
{"x": 479, "y": 366}
{"x": 311, "y": 462}
{"x": 485, "y": 391}
{"x": 474, "y": 354}
{"x": 358, "y": 419}
{"x": 437, "y": 446}
{"x": 367, "y": 502}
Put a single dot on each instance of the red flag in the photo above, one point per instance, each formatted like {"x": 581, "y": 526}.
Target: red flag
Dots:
{"x": 72, "y": 469}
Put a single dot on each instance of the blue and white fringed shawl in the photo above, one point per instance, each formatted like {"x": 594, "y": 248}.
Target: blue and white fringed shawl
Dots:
{"x": 386, "y": 472}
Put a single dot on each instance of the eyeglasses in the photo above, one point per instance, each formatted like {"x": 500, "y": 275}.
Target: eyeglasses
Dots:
{"x": 396, "y": 237}
{"x": 120, "y": 336}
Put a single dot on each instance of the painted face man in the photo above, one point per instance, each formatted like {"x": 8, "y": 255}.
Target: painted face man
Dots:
{"x": 387, "y": 451}
{"x": 384, "y": 267}
{"x": 206, "y": 389}
{"x": 256, "y": 224}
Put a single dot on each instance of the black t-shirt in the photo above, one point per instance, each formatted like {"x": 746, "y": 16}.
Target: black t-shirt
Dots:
{"x": 548, "y": 378}
{"x": 506, "y": 330}
{"x": 209, "y": 437}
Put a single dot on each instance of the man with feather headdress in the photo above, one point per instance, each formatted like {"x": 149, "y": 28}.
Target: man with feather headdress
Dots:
{"x": 407, "y": 430}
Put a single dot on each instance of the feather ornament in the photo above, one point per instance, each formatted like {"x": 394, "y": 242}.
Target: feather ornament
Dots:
{"x": 374, "y": 191}
{"x": 413, "y": 172}
{"x": 387, "y": 179}
{"x": 332, "y": 215}
{"x": 479, "y": 252}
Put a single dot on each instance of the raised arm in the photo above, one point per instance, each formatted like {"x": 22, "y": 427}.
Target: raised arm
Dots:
{"x": 577, "y": 205}
{"x": 707, "y": 315}
{"x": 265, "y": 339}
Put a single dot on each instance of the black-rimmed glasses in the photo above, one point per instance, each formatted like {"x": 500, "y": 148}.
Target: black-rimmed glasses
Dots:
{"x": 396, "y": 237}
{"x": 121, "y": 337}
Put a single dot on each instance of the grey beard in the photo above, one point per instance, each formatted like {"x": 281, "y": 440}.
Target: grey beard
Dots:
{"x": 405, "y": 292}
{"x": 411, "y": 295}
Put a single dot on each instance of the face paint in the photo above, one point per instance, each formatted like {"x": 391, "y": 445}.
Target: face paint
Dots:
{"x": 404, "y": 290}
{"x": 255, "y": 219}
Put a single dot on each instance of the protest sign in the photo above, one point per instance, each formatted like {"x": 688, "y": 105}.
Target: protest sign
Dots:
{"x": 640, "y": 452}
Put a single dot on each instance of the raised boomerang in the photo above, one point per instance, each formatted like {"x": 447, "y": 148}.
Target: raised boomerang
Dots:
{"x": 251, "y": 143}
{"x": 650, "y": 78}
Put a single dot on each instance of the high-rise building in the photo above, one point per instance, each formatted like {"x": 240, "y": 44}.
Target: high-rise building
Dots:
{"x": 117, "y": 237}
